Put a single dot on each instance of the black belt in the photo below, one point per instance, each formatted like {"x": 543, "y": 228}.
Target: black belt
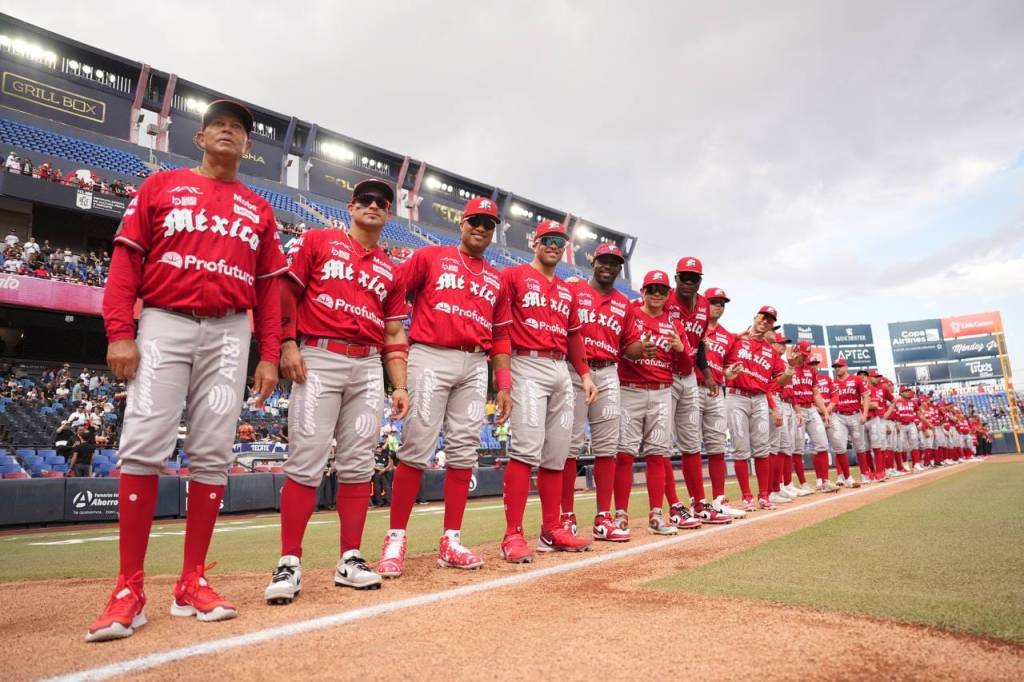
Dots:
{"x": 193, "y": 315}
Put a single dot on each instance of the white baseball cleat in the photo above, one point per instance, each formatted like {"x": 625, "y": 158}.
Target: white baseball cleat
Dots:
{"x": 721, "y": 505}
{"x": 286, "y": 583}
{"x": 353, "y": 571}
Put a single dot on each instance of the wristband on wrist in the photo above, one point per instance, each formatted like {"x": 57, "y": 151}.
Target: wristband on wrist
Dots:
{"x": 399, "y": 388}
{"x": 503, "y": 378}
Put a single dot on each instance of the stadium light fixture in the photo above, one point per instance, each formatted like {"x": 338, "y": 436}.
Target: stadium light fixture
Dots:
{"x": 112, "y": 77}
{"x": 73, "y": 65}
{"x": 5, "y": 41}
{"x": 99, "y": 74}
{"x": 50, "y": 57}
{"x": 433, "y": 183}
{"x": 190, "y": 104}
{"x": 365, "y": 160}
{"x": 19, "y": 46}
{"x": 35, "y": 52}
{"x": 86, "y": 69}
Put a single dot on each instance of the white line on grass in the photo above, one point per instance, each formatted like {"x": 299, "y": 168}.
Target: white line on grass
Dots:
{"x": 344, "y": 617}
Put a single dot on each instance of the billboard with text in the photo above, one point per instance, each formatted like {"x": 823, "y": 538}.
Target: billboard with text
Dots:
{"x": 850, "y": 335}
{"x": 814, "y": 333}
{"x": 917, "y": 341}
{"x": 972, "y": 325}
{"x": 976, "y": 346}
{"x": 858, "y": 357}
{"x": 978, "y": 368}
{"x": 923, "y": 374}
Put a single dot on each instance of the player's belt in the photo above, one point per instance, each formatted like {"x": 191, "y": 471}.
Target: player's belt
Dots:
{"x": 847, "y": 414}
{"x": 744, "y": 392}
{"x": 195, "y": 314}
{"x": 804, "y": 406}
{"x": 465, "y": 349}
{"x": 340, "y": 347}
{"x": 598, "y": 364}
{"x": 646, "y": 385}
{"x": 526, "y": 352}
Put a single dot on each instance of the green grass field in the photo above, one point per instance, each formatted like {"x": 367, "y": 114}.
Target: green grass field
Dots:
{"x": 948, "y": 554}
{"x": 252, "y": 544}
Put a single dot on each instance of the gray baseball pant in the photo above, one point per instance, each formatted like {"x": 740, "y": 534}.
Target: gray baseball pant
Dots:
{"x": 686, "y": 412}
{"x": 847, "y": 428}
{"x": 645, "y": 424}
{"x": 603, "y": 415}
{"x": 713, "y": 423}
{"x": 815, "y": 429}
{"x": 748, "y": 425}
{"x": 542, "y": 411}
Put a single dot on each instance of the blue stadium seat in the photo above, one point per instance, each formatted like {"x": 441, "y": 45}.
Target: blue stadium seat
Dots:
{"x": 86, "y": 153}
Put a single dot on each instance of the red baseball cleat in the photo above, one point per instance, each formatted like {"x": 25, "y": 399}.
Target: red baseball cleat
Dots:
{"x": 707, "y": 514}
{"x": 123, "y": 614}
{"x": 514, "y": 548}
{"x": 194, "y": 597}
{"x": 392, "y": 555}
{"x": 568, "y": 521}
{"x": 606, "y": 529}
{"x": 681, "y": 517}
{"x": 561, "y": 540}
{"x": 452, "y": 553}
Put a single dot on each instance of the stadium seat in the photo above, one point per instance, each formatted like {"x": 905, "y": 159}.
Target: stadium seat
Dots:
{"x": 88, "y": 154}
{"x": 15, "y": 475}
{"x": 238, "y": 469}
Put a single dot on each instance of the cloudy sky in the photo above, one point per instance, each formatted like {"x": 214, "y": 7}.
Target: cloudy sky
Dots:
{"x": 847, "y": 162}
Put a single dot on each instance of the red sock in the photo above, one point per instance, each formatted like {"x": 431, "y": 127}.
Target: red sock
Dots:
{"x": 604, "y": 481}
{"x": 763, "y": 469}
{"x": 901, "y": 458}
{"x": 787, "y": 468}
{"x": 516, "y": 489}
{"x": 821, "y": 465}
{"x": 915, "y": 457}
{"x": 623, "y": 480}
{"x": 405, "y": 486}
{"x": 716, "y": 472}
{"x": 879, "y": 457}
{"x": 549, "y": 487}
{"x": 655, "y": 480}
{"x": 742, "y": 469}
{"x": 298, "y": 503}
{"x": 693, "y": 475}
{"x": 203, "y": 506}
{"x": 136, "y": 502}
{"x": 671, "y": 494}
{"x": 798, "y": 466}
{"x": 774, "y": 472}
{"x": 864, "y": 464}
{"x": 352, "y": 502}
{"x": 456, "y": 493}
{"x": 843, "y": 465}
{"x": 569, "y": 485}
{"x": 930, "y": 456}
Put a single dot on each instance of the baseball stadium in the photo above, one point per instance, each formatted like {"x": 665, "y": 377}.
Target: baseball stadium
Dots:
{"x": 277, "y": 401}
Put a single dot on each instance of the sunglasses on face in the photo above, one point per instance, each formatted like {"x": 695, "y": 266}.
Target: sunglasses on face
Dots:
{"x": 552, "y": 240}
{"x": 482, "y": 221}
{"x": 689, "y": 277}
{"x": 716, "y": 301}
{"x": 657, "y": 290}
{"x": 367, "y": 200}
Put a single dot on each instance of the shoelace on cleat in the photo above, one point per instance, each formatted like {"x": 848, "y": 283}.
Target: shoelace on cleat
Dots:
{"x": 357, "y": 562}
{"x": 282, "y": 574}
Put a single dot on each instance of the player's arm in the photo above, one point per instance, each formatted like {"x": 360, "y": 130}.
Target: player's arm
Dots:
{"x": 395, "y": 357}
{"x": 578, "y": 360}
{"x": 293, "y": 366}
{"x": 865, "y": 407}
{"x": 820, "y": 404}
{"x": 501, "y": 362}
{"x": 892, "y": 406}
{"x": 123, "y": 284}
{"x": 267, "y": 324}
{"x": 784, "y": 377}
{"x": 701, "y": 360}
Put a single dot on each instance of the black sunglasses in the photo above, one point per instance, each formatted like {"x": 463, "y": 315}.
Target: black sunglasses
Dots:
{"x": 367, "y": 200}
{"x": 689, "y": 277}
{"x": 482, "y": 221}
{"x": 657, "y": 289}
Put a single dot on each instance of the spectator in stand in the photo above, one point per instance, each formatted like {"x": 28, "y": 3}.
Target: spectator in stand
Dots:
{"x": 44, "y": 171}
{"x": 246, "y": 433}
{"x": 64, "y": 440}
{"x": 57, "y": 175}
{"x": 501, "y": 432}
{"x": 13, "y": 163}
{"x": 79, "y": 417}
{"x": 11, "y": 239}
{"x": 27, "y": 167}
{"x": 14, "y": 265}
{"x": 82, "y": 452}
{"x": 30, "y": 249}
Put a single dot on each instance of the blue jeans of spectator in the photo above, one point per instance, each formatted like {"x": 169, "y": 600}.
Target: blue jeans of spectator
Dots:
{"x": 83, "y": 470}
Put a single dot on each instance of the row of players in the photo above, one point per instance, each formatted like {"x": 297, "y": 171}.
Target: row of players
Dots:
{"x": 201, "y": 251}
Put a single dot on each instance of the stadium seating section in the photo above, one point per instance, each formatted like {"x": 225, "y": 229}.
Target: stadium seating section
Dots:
{"x": 88, "y": 154}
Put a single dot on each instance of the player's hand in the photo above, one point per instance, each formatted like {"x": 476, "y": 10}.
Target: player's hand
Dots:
{"x": 712, "y": 387}
{"x": 827, "y": 418}
{"x": 650, "y": 350}
{"x": 799, "y": 418}
{"x": 589, "y": 390}
{"x": 264, "y": 381}
{"x": 293, "y": 365}
{"x": 863, "y": 419}
{"x": 399, "y": 403}
{"x": 503, "y": 406}
{"x": 677, "y": 343}
{"x": 733, "y": 370}
{"x": 777, "y": 417}
{"x": 123, "y": 358}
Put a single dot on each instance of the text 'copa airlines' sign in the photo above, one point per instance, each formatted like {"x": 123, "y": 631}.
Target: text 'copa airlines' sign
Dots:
{"x": 850, "y": 335}
{"x": 972, "y": 325}
{"x": 917, "y": 340}
{"x": 814, "y": 333}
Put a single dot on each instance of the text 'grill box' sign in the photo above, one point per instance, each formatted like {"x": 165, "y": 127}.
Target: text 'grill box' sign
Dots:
{"x": 973, "y": 347}
{"x": 814, "y": 333}
{"x": 861, "y": 356}
{"x": 850, "y": 335}
{"x": 916, "y": 341}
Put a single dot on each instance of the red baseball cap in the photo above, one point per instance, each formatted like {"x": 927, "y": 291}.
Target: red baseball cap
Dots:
{"x": 481, "y": 206}
{"x": 841, "y": 362}
{"x": 655, "y": 277}
{"x": 803, "y": 347}
{"x": 690, "y": 264}
{"x": 230, "y": 106}
{"x": 905, "y": 388}
{"x": 714, "y": 293}
{"x": 782, "y": 338}
{"x": 370, "y": 185}
{"x": 874, "y": 373}
{"x": 769, "y": 311}
{"x": 609, "y": 249}
{"x": 813, "y": 360}
{"x": 547, "y": 227}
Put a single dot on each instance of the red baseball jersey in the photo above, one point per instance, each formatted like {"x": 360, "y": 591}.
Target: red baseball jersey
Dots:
{"x": 694, "y": 321}
{"x": 459, "y": 299}
{"x": 962, "y": 426}
{"x": 607, "y": 321}
{"x": 760, "y": 364}
{"x": 543, "y": 312}
{"x": 876, "y": 394}
{"x": 659, "y": 368}
{"x": 716, "y": 344}
{"x": 787, "y": 394}
{"x": 848, "y": 393}
{"x": 825, "y": 386}
{"x": 205, "y": 242}
{"x": 804, "y": 380}
{"x": 904, "y": 411}
{"x": 350, "y": 291}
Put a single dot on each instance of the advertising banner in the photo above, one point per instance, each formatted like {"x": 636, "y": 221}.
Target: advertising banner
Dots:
{"x": 32, "y": 292}
{"x": 977, "y": 346}
{"x": 79, "y": 103}
{"x": 978, "y": 368}
{"x": 850, "y": 335}
{"x": 63, "y": 196}
{"x": 262, "y": 161}
{"x": 972, "y": 325}
{"x": 918, "y": 340}
{"x": 922, "y": 374}
{"x": 859, "y": 357}
{"x": 814, "y": 333}
{"x": 821, "y": 355}
{"x": 336, "y": 181}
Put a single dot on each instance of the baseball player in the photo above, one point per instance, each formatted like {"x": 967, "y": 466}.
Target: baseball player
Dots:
{"x": 609, "y": 331}
{"x": 849, "y": 408}
{"x": 751, "y": 365}
{"x": 691, "y": 310}
{"x": 777, "y": 435}
{"x": 646, "y": 400}
{"x": 906, "y": 411}
{"x": 545, "y": 330}
{"x": 892, "y": 431}
{"x": 712, "y": 408}
{"x": 878, "y": 396}
{"x": 807, "y": 400}
{"x": 791, "y": 450}
{"x": 928, "y": 435}
{"x": 343, "y": 308}
{"x": 200, "y": 249}
{"x": 458, "y": 303}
